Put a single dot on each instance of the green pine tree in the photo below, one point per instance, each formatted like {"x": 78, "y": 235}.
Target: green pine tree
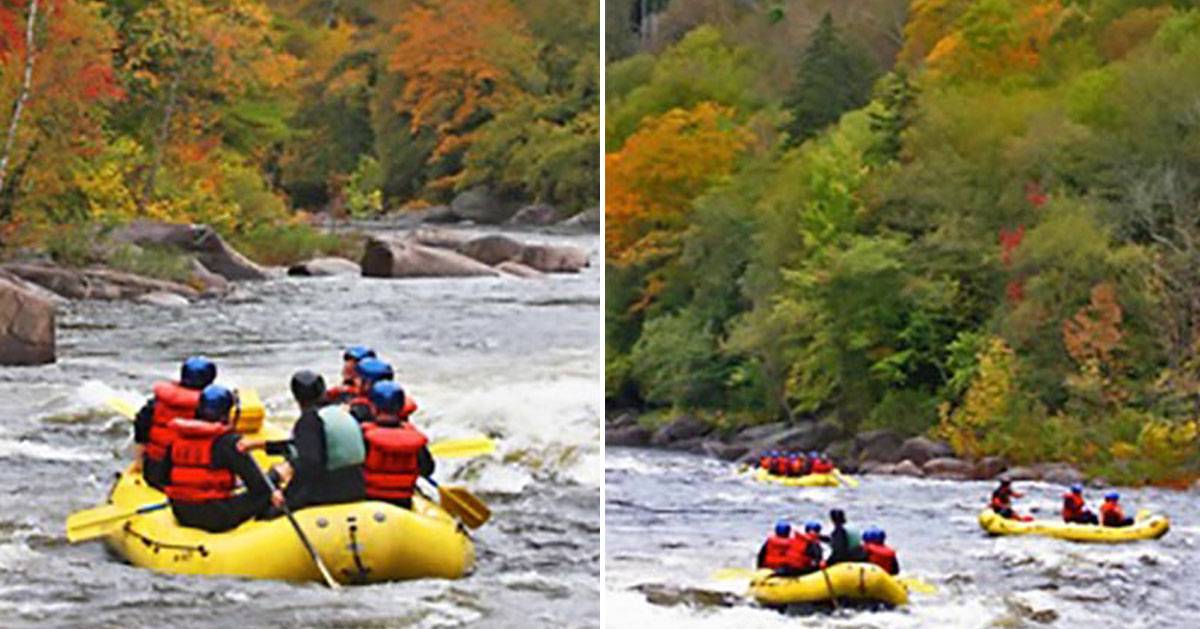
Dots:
{"x": 898, "y": 96}
{"x": 835, "y": 77}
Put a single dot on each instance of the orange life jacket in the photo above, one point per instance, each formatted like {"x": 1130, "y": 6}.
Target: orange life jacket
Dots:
{"x": 1072, "y": 506}
{"x": 342, "y": 393}
{"x": 1111, "y": 513}
{"x": 779, "y": 550}
{"x": 799, "y": 466}
{"x": 821, "y": 466}
{"x": 765, "y": 462}
{"x": 798, "y": 553}
{"x": 410, "y": 407}
{"x": 193, "y": 478}
{"x": 171, "y": 401}
{"x": 779, "y": 466}
{"x": 881, "y": 555}
{"x": 390, "y": 468}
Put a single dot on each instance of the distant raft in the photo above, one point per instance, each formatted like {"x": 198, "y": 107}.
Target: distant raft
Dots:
{"x": 1145, "y": 526}
{"x": 846, "y": 581}
{"x": 808, "y": 480}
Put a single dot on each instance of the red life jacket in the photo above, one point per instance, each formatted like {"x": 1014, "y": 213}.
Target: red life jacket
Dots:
{"x": 798, "y": 467}
{"x": 171, "y": 401}
{"x": 363, "y": 401}
{"x": 193, "y": 477}
{"x": 410, "y": 407}
{"x": 391, "y": 467}
{"x": 1111, "y": 513}
{"x": 881, "y": 555}
{"x": 779, "y": 466}
{"x": 1002, "y": 498}
{"x": 764, "y": 462}
{"x": 342, "y": 393}
{"x": 798, "y": 554}
{"x": 1072, "y": 506}
{"x": 821, "y": 466}
{"x": 778, "y": 552}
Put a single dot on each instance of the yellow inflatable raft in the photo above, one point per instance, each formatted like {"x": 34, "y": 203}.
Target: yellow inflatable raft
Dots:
{"x": 847, "y": 581}
{"x": 1146, "y": 526}
{"x": 808, "y": 480}
{"x": 363, "y": 542}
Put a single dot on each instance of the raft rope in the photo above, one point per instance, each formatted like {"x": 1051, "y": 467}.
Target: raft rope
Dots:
{"x": 363, "y": 570}
{"x": 157, "y": 545}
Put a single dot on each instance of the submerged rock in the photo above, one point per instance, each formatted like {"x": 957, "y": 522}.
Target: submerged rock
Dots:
{"x": 666, "y": 595}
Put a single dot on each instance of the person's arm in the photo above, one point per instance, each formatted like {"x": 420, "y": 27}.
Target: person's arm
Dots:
{"x": 814, "y": 552}
{"x": 227, "y": 455}
{"x": 362, "y": 413}
{"x": 425, "y": 462}
{"x": 762, "y": 556}
{"x": 142, "y": 422}
{"x": 897, "y": 562}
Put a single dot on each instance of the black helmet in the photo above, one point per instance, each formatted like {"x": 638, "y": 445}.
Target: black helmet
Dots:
{"x": 837, "y": 516}
{"x": 307, "y": 386}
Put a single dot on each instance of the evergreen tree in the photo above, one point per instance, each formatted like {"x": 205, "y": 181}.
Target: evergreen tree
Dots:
{"x": 898, "y": 96}
{"x": 835, "y": 77}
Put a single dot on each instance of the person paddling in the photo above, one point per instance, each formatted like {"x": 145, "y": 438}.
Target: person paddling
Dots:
{"x": 787, "y": 555}
{"x": 171, "y": 400}
{"x": 397, "y": 453}
{"x": 1001, "y": 501}
{"x": 878, "y": 552}
{"x": 350, "y": 387}
{"x": 798, "y": 466}
{"x": 1111, "y": 513}
{"x": 206, "y": 465}
{"x": 820, "y": 463}
{"x": 1075, "y": 509}
{"x": 845, "y": 544}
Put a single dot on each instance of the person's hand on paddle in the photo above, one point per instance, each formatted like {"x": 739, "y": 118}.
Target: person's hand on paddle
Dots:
{"x": 137, "y": 459}
{"x": 246, "y": 445}
{"x": 284, "y": 471}
{"x": 277, "y": 499}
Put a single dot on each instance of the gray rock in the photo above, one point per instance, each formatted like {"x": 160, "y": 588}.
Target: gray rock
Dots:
{"x": 587, "y": 220}
{"x": 636, "y": 436}
{"x": 436, "y": 237}
{"x": 479, "y": 205}
{"x": 1020, "y": 474}
{"x": 907, "y": 468}
{"x": 989, "y": 467}
{"x": 760, "y": 432}
{"x": 318, "y": 267}
{"x": 165, "y": 300}
{"x": 948, "y": 468}
{"x": 879, "y": 445}
{"x": 876, "y": 467}
{"x": 680, "y": 429}
{"x": 554, "y": 258}
{"x": 398, "y": 258}
{"x": 921, "y": 449}
{"x": 807, "y": 436}
{"x": 693, "y": 445}
{"x": 95, "y": 282}
{"x": 842, "y": 454}
{"x": 725, "y": 451}
{"x": 492, "y": 249}
{"x": 519, "y": 270}
{"x": 434, "y": 214}
{"x": 26, "y": 326}
{"x": 536, "y": 214}
{"x": 210, "y": 283}
{"x": 200, "y": 240}
{"x": 1059, "y": 473}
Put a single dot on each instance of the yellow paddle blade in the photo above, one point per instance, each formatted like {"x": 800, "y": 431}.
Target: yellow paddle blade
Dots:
{"x": 848, "y": 481}
{"x": 93, "y": 523}
{"x": 461, "y": 503}
{"x": 736, "y": 574}
{"x": 122, "y": 406}
{"x": 462, "y": 448}
{"x": 914, "y": 584}
{"x": 1142, "y": 514}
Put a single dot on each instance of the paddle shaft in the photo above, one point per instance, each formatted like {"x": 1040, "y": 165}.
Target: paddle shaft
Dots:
{"x": 829, "y": 584}
{"x": 312, "y": 552}
{"x": 97, "y": 528}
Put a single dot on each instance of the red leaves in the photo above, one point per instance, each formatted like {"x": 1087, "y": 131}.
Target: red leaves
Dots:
{"x": 1009, "y": 241}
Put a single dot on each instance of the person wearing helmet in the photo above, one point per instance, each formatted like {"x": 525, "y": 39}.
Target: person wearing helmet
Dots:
{"x": 845, "y": 544}
{"x": 820, "y": 464}
{"x": 324, "y": 454}
{"x": 370, "y": 371}
{"x": 779, "y": 466}
{"x": 397, "y": 452}
{"x": 764, "y": 460}
{"x": 1001, "y": 502}
{"x": 1075, "y": 508}
{"x": 1111, "y": 513}
{"x": 206, "y": 464}
{"x": 781, "y": 553}
{"x": 878, "y": 552}
{"x": 171, "y": 400}
{"x": 350, "y": 387}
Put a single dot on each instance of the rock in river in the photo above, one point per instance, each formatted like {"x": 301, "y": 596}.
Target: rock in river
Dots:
{"x": 398, "y": 258}
{"x": 26, "y": 326}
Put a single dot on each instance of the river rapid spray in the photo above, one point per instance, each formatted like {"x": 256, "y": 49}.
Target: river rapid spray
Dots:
{"x": 672, "y": 519}
{"x": 516, "y": 359}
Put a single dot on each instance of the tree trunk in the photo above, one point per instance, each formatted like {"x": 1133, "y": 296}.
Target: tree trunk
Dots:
{"x": 23, "y": 95}
{"x": 160, "y": 140}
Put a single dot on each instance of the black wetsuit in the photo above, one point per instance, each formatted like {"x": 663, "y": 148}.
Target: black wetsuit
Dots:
{"x": 312, "y": 484}
{"x": 157, "y": 473}
{"x": 221, "y": 515}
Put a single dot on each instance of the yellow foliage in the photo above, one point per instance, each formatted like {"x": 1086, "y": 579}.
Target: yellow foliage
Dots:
{"x": 1123, "y": 450}
{"x": 988, "y": 398}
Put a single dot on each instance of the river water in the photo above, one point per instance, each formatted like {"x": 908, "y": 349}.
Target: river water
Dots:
{"x": 516, "y": 359}
{"x": 672, "y": 519}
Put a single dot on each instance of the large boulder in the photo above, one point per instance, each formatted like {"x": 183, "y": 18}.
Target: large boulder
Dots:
{"x": 1019, "y": 474}
{"x": 479, "y": 205}
{"x": 554, "y": 258}
{"x": 399, "y": 258}
{"x": 920, "y": 449}
{"x": 842, "y": 454}
{"x": 26, "y": 326}
{"x": 492, "y": 249}
{"x": 208, "y": 282}
{"x": 536, "y": 214}
{"x": 754, "y": 434}
{"x": 683, "y": 428}
{"x": 199, "y": 240}
{"x": 439, "y": 237}
{"x": 318, "y": 267}
{"x": 805, "y": 437}
{"x": 587, "y": 220}
{"x": 879, "y": 445}
{"x": 907, "y": 468}
{"x": 96, "y": 282}
{"x": 1059, "y": 473}
{"x": 632, "y": 435}
{"x": 989, "y": 467}
{"x": 948, "y": 468}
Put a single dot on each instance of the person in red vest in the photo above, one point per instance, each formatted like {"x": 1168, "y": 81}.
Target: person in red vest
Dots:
{"x": 350, "y": 387}
{"x": 171, "y": 400}
{"x": 764, "y": 460}
{"x": 1111, "y": 513}
{"x": 820, "y": 463}
{"x": 798, "y": 466}
{"x": 779, "y": 466}
{"x": 206, "y": 466}
{"x": 788, "y": 555}
{"x": 1075, "y": 509}
{"x": 370, "y": 371}
{"x": 1001, "y": 502}
{"x": 397, "y": 452}
{"x": 878, "y": 552}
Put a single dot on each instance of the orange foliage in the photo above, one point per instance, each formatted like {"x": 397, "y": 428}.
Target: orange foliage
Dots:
{"x": 459, "y": 57}
{"x": 1130, "y": 30}
{"x": 1094, "y": 333}
{"x": 990, "y": 39}
{"x": 652, "y": 180}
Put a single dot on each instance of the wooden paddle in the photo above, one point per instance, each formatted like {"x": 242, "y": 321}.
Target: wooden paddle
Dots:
{"x": 312, "y": 552}
{"x": 461, "y": 503}
{"x": 90, "y": 524}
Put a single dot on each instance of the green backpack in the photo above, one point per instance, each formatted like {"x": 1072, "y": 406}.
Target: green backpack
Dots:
{"x": 343, "y": 439}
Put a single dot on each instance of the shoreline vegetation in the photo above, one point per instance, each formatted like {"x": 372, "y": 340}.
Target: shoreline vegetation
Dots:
{"x": 972, "y": 223}
{"x": 266, "y": 119}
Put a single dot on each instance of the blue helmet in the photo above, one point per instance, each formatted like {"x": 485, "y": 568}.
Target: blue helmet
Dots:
{"x": 358, "y": 352}
{"x": 812, "y": 526}
{"x": 374, "y": 370}
{"x": 197, "y": 372}
{"x": 814, "y": 454}
{"x": 783, "y": 528}
{"x": 387, "y": 396}
{"x": 1112, "y": 495}
{"x": 215, "y": 403}
{"x": 873, "y": 534}
{"x": 1077, "y": 488}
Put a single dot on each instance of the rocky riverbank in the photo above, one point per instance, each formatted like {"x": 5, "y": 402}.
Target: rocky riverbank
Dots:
{"x": 873, "y": 452}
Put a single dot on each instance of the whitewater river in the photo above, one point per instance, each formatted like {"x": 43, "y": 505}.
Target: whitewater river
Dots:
{"x": 672, "y": 519}
{"x": 516, "y": 359}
